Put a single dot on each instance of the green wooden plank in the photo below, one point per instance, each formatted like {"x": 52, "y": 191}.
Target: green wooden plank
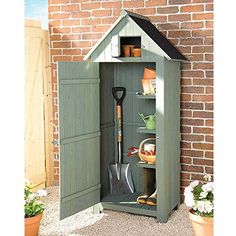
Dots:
{"x": 145, "y": 130}
{"x": 145, "y": 165}
{"x": 146, "y": 96}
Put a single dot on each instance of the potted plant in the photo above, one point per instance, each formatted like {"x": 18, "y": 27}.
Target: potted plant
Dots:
{"x": 200, "y": 197}
{"x": 33, "y": 209}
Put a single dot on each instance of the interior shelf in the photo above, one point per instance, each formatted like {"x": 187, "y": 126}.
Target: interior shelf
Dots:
{"x": 144, "y": 130}
{"x": 128, "y": 203}
{"x": 145, "y": 165}
{"x": 145, "y": 96}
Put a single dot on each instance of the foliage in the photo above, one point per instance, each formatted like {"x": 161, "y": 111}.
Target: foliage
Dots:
{"x": 33, "y": 205}
{"x": 200, "y": 197}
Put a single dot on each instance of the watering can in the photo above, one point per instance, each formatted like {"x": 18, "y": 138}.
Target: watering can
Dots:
{"x": 150, "y": 120}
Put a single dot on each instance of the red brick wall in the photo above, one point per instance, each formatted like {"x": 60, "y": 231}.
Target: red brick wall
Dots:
{"x": 76, "y": 25}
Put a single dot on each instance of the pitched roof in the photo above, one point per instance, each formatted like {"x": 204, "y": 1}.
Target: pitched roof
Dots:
{"x": 145, "y": 24}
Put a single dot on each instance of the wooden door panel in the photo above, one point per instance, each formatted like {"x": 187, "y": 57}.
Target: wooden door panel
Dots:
{"x": 79, "y": 136}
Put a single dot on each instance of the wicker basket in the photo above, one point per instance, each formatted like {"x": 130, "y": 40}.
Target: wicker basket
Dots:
{"x": 150, "y": 159}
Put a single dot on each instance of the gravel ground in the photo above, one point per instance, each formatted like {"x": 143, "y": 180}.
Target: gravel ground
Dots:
{"x": 109, "y": 223}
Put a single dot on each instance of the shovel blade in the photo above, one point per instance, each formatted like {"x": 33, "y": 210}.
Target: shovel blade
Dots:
{"x": 120, "y": 179}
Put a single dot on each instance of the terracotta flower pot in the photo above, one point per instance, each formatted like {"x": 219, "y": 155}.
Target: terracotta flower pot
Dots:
{"x": 136, "y": 52}
{"x": 32, "y": 225}
{"x": 126, "y": 50}
{"x": 149, "y": 73}
{"x": 202, "y": 226}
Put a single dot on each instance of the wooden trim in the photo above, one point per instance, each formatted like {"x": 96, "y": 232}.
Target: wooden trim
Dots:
{"x": 48, "y": 114}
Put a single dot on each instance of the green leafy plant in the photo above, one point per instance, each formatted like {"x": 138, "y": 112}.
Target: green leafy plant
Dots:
{"x": 200, "y": 197}
{"x": 33, "y": 204}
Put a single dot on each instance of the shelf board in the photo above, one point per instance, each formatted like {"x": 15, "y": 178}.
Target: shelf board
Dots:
{"x": 144, "y": 130}
{"x": 128, "y": 203}
{"x": 140, "y": 96}
{"x": 145, "y": 165}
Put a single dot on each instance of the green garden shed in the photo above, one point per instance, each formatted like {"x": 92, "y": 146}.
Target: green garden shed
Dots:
{"x": 87, "y": 120}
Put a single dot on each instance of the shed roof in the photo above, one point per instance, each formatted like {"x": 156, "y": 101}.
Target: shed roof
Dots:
{"x": 145, "y": 24}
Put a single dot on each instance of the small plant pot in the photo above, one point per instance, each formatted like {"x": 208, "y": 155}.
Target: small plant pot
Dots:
{"x": 136, "y": 52}
{"x": 148, "y": 88}
{"x": 126, "y": 50}
{"x": 32, "y": 225}
{"x": 149, "y": 73}
{"x": 202, "y": 226}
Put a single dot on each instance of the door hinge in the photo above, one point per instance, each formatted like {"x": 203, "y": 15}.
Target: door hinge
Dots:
{"x": 56, "y": 142}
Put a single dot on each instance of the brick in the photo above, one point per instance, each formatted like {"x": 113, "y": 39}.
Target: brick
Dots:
{"x": 205, "y": 162}
{"x": 71, "y": 37}
{"x": 77, "y": 58}
{"x": 100, "y": 28}
{"x": 192, "y": 89}
{"x": 133, "y": 4}
{"x": 55, "y": 37}
{"x": 203, "y": 98}
{"x": 186, "y": 114}
{"x": 101, "y": 13}
{"x": 59, "y": 1}
{"x": 209, "y": 154}
{"x": 91, "y": 36}
{"x": 70, "y": 8}
{"x": 61, "y": 30}
{"x": 165, "y": 26}
{"x": 179, "y": 2}
{"x": 145, "y": 11}
{"x": 81, "y": 44}
{"x": 179, "y": 34}
{"x": 60, "y": 16}
{"x": 209, "y": 73}
{"x": 192, "y": 168}
{"x": 194, "y": 57}
{"x": 185, "y": 175}
{"x": 192, "y": 8}
{"x": 209, "y": 170}
{"x": 201, "y": 1}
{"x": 72, "y": 52}
{"x": 90, "y": 5}
{"x": 53, "y": 9}
{"x": 192, "y": 137}
{"x": 179, "y": 17}
{"x": 61, "y": 58}
{"x": 112, "y": 4}
{"x": 191, "y": 105}
{"x": 85, "y": 51}
{"x": 208, "y": 41}
{"x": 209, "y": 123}
{"x": 185, "y": 97}
{"x": 192, "y": 25}
{"x": 192, "y": 122}
{"x": 53, "y": 23}
{"x": 199, "y": 177}
{"x": 209, "y": 106}
{"x": 184, "y": 183}
{"x": 202, "y": 114}
{"x": 202, "y": 49}
{"x": 167, "y": 10}
{"x": 185, "y": 65}
{"x": 109, "y": 20}
{"x": 203, "y": 130}
{"x": 90, "y": 21}
{"x": 191, "y": 41}
{"x": 203, "y": 66}
{"x": 203, "y": 82}
{"x": 61, "y": 44}
{"x": 203, "y": 16}
{"x": 185, "y": 144}
{"x": 81, "y": 29}
{"x": 192, "y": 73}
{"x": 185, "y": 129}
{"x": 209, "y": 7}
{"x": 185, "y": 81}
{"x": 209, "y": 57}
{"x": 155, "y": 3}
{"x": 184, "y": 50}
{"x": 71, "y": 22}
{"x": 55, "y": 52}
{"x": 209, "y": 24}
{"x": 202, "y": 33}
{"x": 161, "y": 18}
{"x": 209, "y": 138}
{"x": 81, "y": 14}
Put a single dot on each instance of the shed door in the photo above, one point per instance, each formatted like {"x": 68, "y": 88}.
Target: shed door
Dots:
{"x": 79, "y": 136}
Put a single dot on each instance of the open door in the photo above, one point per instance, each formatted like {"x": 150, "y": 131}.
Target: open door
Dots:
{"x": 79, "y": 136}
